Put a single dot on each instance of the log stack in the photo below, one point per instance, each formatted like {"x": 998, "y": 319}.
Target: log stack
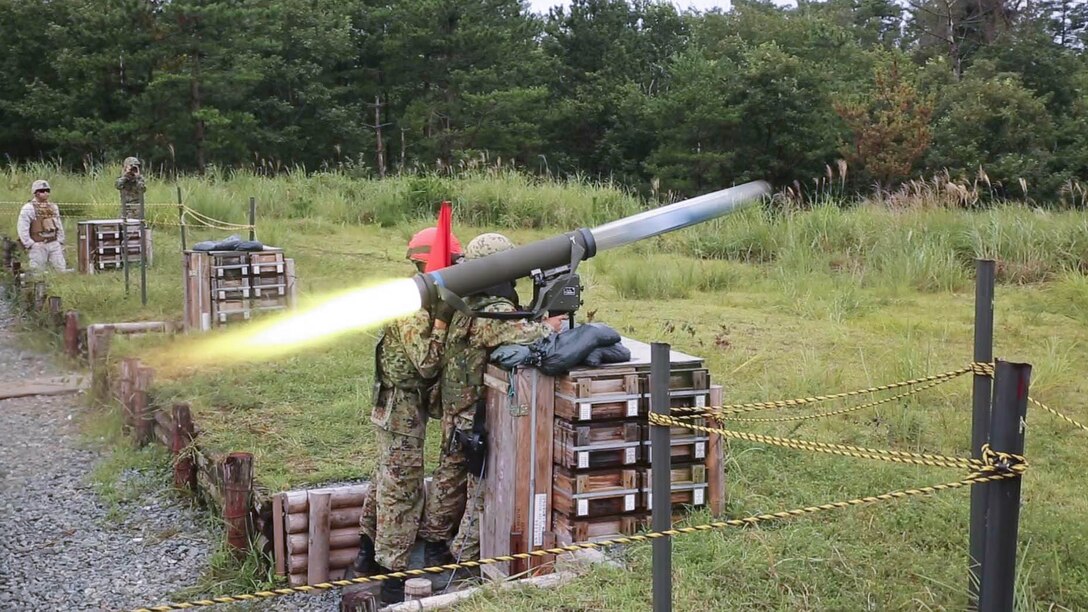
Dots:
{"x": 222, "y": 287}
{"x": 102, "y": 244}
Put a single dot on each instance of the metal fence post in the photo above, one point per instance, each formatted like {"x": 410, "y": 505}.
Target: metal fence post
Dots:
{"x": 980, "y": 418}
{"x": 252, "y": 218}
{"x": 143, "y": 251}
{"x": 1011, "y": 382}
{"x": 181, "y": 217}
{"x": 661, "y": 478}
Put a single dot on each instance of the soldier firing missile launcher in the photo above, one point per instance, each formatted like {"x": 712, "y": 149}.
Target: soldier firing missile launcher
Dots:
{"x": 553, "y": 261}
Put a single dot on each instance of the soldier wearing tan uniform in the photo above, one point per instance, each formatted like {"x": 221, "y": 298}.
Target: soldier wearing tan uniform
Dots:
{"x": 41, "y": 231}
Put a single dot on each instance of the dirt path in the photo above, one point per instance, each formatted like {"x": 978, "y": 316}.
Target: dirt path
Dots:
{"x": 62, "y": 547}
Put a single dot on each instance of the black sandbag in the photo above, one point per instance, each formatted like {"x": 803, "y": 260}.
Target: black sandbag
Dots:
{"x": 206, "y": 245}
{"x": 559, "y": 353}
{"x": 616, "y": 353}
{"x": 249, "y": 245}
{"x": 510, "y": 356}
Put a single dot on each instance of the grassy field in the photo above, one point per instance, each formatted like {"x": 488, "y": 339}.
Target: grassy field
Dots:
{"x": 779, "y": 305}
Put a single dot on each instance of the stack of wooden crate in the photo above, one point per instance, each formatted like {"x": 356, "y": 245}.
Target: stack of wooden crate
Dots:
{"x": 226, "y": 286}
{"x": 102, "y": 243}
{"x": 569, "y": 456}
{"x": 602, "y": 447}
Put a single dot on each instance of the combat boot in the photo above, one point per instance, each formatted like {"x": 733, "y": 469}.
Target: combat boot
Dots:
{"x": 364, "y": 564}
{"x": 392, "y": 588}
{"x": 436, "y": 553}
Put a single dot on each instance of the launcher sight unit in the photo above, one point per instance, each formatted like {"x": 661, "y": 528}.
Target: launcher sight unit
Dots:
{"x": 553, "y": 262}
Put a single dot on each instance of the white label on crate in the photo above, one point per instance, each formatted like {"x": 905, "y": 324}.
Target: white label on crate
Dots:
{"x": 698, "y": 500}
{"x": 540, "y": 515}
{"x": 583, "y": 460}
{"x": 583, "y": 507}
{"x": 628, "y": 503}
{"x": 700, "y": 401}
{"x": 649, "y": 500}
{"x": 205, "y": 320}
{"x": 700, "y": 450}
{"x": 629, "y": 455}
{"x": 585, "y": 411}
{"x": 632, "y": 407}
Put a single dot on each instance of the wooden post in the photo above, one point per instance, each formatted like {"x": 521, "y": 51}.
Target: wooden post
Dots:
{"x": 55, "y": 316}
{"x": 279, "y": 544}
{"x": 237, "y": 469}
{"x": 39, "y": 296}
{"x": 125, "y": 389}
{"x": 182, "y": 438}
{"x": 317, "y": 550}
{"x": 143, "y": 420}
{"x": 715, "y": 460}
{"x": 416, "y": 588}
{"x": 71, "y": 334}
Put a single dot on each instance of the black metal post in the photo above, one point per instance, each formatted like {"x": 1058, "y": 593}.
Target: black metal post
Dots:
{"x": 1011, "y": 382}
{"x": 661, "y": 481}
{"x": 980, "y": 418}
{"x": 124, "y": 244}
{"x": 252, "y": 218}
{"x": 143, "y": 251}
{"x": 181, "y": 218}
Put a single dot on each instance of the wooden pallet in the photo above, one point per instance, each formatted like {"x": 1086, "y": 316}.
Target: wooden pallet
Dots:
{"x": 597, "y": 445}
{"x": 224, "y": 287}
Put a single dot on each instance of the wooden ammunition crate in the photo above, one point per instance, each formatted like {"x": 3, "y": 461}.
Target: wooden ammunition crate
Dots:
{"x": 689, "y": 486}
{"x": 593, "y": 395}
{"x": 223, "y": 287}
{"x": 101, "y": 245}
{"x": 597, "y": 445}
{"x": 569, "y": 529}
{"x": 689, "y": 448}
{"x": 596, "y": 493}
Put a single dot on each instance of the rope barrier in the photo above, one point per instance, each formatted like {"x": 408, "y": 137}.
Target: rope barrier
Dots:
{"x": 114, "y": 204}
{"x": 771, "y": 405}
{"x": 988, "y": 473}
{"x": 843, "y": 450}
{"x": 844, "y": 410}
{"x": 1058, "y": 414}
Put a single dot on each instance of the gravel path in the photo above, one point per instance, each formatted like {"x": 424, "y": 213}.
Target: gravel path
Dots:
{"x": 61, "y": 547}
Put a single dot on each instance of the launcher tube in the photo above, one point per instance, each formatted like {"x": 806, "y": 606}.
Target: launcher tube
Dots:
{"x": 475, "y": 275}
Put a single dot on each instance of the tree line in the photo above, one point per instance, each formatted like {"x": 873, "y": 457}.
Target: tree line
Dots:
{"x": 849, "y": 94}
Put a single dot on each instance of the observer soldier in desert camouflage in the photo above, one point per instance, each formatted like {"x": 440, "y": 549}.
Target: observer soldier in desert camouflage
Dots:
{"x": 469, "y": 342}
{"x": 132, "y": 188}
{"x": 407, "y": 359}
{"x": 41, "y": 231}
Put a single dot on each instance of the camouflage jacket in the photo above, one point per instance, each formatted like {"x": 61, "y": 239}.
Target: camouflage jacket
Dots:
{"x": 131, "y": 188}
{"x": 410, "y": 352}
{"x": 468, "y": 345}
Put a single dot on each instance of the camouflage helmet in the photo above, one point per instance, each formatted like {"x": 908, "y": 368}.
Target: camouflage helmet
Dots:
{"x": 487, "y": 244}
{"x": 131, "y": 161}
{"x": 40, "y": 185}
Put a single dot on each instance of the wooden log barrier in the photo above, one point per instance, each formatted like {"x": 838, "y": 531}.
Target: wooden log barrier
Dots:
{"x": 342, "y": 497}
{"x": 71, "y": 334}
{"x": 181, "y": 446}
{"x": 237, "y": 470}
{"x": 416, "y": 589}
{"x": 39, "y": 296}
{"x": 317, "y": 563}
{"x": 125, "y": 389}
{"x": 143, "y": 419}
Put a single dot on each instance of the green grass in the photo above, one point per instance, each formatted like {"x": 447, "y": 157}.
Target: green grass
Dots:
{"x": 778, "y": 305}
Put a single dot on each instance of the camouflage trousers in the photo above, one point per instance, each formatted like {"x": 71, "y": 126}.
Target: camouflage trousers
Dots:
{"x": 392, "y": 509}
{"x": 466, "y": 544}
{"x": 446, "y": 503}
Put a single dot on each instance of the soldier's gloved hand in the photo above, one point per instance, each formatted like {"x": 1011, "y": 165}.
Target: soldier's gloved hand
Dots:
{"x": 443, "y": 313}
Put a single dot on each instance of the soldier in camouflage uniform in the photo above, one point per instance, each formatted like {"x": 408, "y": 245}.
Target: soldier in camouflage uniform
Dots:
{"x": 469, "y": 342}
{"x": 407, "y": 359}
{"x": 131, "y": 185}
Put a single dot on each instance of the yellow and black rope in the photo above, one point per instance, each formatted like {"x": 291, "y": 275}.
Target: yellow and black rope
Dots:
{"x": 989, "y": 473}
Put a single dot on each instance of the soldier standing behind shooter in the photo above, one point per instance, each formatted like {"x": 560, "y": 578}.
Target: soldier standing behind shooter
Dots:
{"x": 41, "y": 231}
{"x": 132, "y": 188}
{"x": 407, "y": 359}
{"x": 469, "y": 343}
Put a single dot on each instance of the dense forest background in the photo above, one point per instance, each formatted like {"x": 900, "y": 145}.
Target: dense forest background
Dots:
{"x": 853, "y": 95}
